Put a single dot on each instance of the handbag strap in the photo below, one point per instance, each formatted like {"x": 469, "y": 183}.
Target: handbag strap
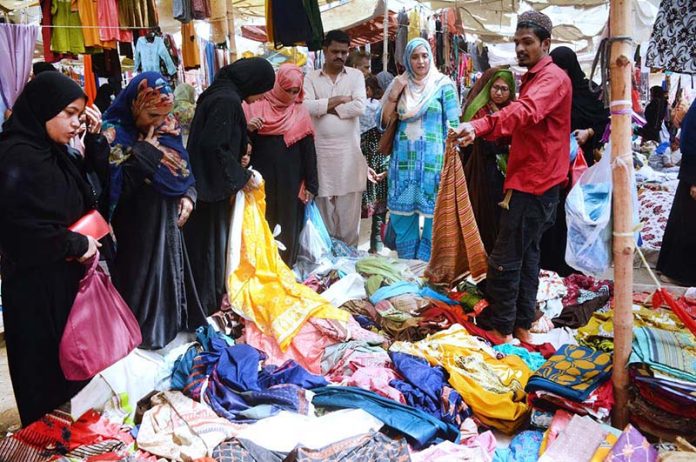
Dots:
{"x": 93, "y": 263}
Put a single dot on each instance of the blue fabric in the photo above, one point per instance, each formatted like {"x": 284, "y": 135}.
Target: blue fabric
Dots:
{"x": 427, "y": 292}
{"x": 393, "y": 290}
{"x": 421, "y": 428}
{"x": 573, "y": 148}
{"x": 524, "y": 447}
{"x": 182, "y": 368}
{"x": 210, "y": 61}
{"x": 532, "y": 359}
{"x": 597, "y": 197}
{"x": 210, "y": 340}
{"x": 119, "y": 122}
{"x": 410, "y": 244}
{"x": 423, "y": 389}
{"x": 662, "y": 148}
{"x": 234, "y": 387}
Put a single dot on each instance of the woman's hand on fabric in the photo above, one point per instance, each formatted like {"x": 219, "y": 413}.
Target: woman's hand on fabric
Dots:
{"x": 152, "y": 138}
{"x": 94, "y": 119}
{"x": 92, "y": 247}
{"x": 692, "y": 191}
{"x": 255, "y": 124}
{"x": 582, "y": 136}
{"x": 254, "y": 181}
{"x": 185, "y": 209}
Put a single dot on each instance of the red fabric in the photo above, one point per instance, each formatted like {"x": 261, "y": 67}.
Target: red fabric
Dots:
{"x": 283, "y": 113}
{"x": 539, "y": 124}
{"x": 90, "y": 80}
{"x": 681, "y": 309}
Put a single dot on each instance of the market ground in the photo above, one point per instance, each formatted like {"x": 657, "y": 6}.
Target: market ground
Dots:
{"x": 9, "y": 418}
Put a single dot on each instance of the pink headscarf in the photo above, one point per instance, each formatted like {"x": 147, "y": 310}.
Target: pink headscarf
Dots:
{"x": 282, "y": 113}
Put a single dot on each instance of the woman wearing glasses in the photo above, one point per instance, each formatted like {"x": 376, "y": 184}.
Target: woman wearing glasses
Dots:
{"x": 485, "y": 162}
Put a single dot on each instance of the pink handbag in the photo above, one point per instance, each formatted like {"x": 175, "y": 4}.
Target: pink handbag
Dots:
{"x": 101, "y": 329}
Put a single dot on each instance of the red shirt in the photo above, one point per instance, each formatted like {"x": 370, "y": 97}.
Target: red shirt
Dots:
{"x": 539, "y": 124}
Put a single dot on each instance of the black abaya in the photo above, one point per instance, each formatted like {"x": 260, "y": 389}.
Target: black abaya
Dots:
{"x": 283, "y": 169}
{"x": 216, "y": 144}
{"x": 41, "y": 193}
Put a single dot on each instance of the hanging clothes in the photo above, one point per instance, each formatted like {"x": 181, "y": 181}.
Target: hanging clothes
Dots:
{"x": 89, "y": 19}
{"x": 401, "y": 37}
{"x": 148, "y": 55}
{"x": 201, "y": 9}
{"x": 107, "y": 64}
{"x": 181, "y": 11}
{"x": 68, "y": 39}
{"x": 90, "y": 84}
{"x": 311, "y": 7}
{"x": 291, "y": 25}
{"x": 138, "y": 13}
{"x": 190, "y": 49}
{"x": 673, "y": 41}
{"x": 107, "y": 16}
{"x": 414, "y": 24}
{"x": 47, "y": 32}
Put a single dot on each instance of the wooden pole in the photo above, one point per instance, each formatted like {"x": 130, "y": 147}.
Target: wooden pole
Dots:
{"x": 231, "y": 37}
{"x": 622, "y": 163}
{"x": 385, "y": 42}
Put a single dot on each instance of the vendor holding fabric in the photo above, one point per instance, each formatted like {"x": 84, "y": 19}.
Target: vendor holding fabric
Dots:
{"x": 539, "y": 124}
{"x": 427, "y": 107}
{"x": 486, "y": 160}
{"x": 152, "y": 195}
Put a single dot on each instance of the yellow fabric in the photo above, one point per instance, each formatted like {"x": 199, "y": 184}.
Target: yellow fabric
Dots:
{"x": 493, "y": 388}
{"x": 263, "y": 289}
{"x": 189, "y": 46}
{"x": 603, "y": 450}
{"x": 269, "y": 22}
{"x": 88, "y": 17}
{"x": 599, "y": 331}
{"x": 414, "y": 28}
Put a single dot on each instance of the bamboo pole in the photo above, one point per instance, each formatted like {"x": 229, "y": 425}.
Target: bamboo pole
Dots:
{"x": 385, "y": 43}
{"x": 231, "y": 37}
{"x": 624, "y": 245}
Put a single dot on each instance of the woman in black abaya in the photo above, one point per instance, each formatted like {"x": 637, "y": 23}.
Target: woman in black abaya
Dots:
{"x": 217, "y": 142}
{"x": 42, "y": 192}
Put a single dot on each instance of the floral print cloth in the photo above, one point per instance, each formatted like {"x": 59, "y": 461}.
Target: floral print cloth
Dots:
{"x": 632, "y": 447}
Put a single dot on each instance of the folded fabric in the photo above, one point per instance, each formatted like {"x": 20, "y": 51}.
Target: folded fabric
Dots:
{"x": 632, "y": 446}
{"x": 598, "y": 404}
{"x": 286, "y": 430}
{"x": 578, "y": 441}
{"x": 573, "y": 372}
{"x": 393, "y": 290}
{"x": 376, "y": 379}
{"x": 492, "y": 387}
{"x": 419, "y": 427}
{"x": 425, "y": 387}
{"x": 181, "y": 429}
{"x": 673, "y": 353}
{"x": 676, "y": 397}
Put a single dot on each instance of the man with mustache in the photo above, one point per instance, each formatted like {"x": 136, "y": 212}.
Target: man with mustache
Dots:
{"x": 335, "y": 97}
{"x": 539, "y": 125}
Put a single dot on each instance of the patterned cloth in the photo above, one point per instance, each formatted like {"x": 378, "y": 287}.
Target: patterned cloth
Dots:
{"x": 632, "y": 447}
{"x": 573, "y": 372}
{"x": 673, "y": 41}
{"x": 375, "y": 196}
{"x": 673, "y": 353}
{"x": 654, "y": 212}
{"x": 457, "y": 247}
{"x": 417, "y": 159}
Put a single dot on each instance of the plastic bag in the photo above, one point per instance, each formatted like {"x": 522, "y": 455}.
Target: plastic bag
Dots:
{"x": 315, "y": 242}
{"x": 588, "y": 216}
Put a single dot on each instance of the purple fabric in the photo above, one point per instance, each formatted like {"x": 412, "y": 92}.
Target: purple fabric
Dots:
{"x": 632, "y": 446}
{"x": 17, "y": 43}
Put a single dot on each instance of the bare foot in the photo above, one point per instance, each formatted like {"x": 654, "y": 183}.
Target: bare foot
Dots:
{"x": 503, "y": 338}
{"x": 523, "y": 335}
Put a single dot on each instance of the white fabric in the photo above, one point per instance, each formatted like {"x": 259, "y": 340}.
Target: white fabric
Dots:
{"x": 578, "y": 441}
{"x": 350, "y": 287}
{"x": 556, "y": 337}
{"x": 234, "y": 240}
{"x": 285, "y": 431}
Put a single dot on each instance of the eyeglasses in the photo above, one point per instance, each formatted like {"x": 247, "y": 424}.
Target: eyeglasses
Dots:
{"x": 498, "y": 88}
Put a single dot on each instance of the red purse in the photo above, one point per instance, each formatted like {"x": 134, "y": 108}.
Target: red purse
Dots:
{"x": 101, "y": 328}
{"x": 92, "y": 224}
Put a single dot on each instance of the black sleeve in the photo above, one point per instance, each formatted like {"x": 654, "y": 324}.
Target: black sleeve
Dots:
{"x": 97, "y": 156}
{"x": 222, "y": 138}
{"x": 141, "y": 165}
{"x": 309, "y": 165}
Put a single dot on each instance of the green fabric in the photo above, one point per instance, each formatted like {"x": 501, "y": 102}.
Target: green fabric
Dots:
{"x": 66, "y": 39}
{"x": 311, "y": 7}
{"x": 484, "y": 95}
{"x": 381, "y": 271}
{"x": 673, "y": 353}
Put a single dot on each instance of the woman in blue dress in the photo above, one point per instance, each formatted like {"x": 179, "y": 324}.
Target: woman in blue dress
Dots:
{"x": 427, "y": 106}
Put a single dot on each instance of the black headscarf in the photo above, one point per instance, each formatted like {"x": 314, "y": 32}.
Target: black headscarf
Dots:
{"x": 587, "y": 110}
{"x": 41, "y": 66}
{"x": 43, "y": 98}
{"x": 248, "y": 76}
{"x": 104, "y": 94}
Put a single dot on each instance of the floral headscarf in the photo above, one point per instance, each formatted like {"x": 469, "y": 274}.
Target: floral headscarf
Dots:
{"x": 146, "y": 91}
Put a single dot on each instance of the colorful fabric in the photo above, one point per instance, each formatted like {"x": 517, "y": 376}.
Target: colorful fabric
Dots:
{"x": 411, "y": 243}
{"x": 147, "y": 91}
{"x": 632, "y": 447}
{"x": 492, "y": 387}
{"x": 261, "y": 288}
{"x": 524, "y": 447}
{"x": 654, "y": 210}
{"x": 375, "y": 196}
{"x": 673, "y": 353}
{"x": 283, "y": 113}
{"x": 598, "y": 404}
{"x": 419, "y": 427}
{"x": 184, "y": 105}
{"x": 532, "y": 359}
{"x": 672, "y": 40}
{"x": 457, "y": 247}
{"x": 573, "y": 372}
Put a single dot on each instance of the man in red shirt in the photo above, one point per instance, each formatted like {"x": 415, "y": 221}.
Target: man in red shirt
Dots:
{"x": 539, "y": 124}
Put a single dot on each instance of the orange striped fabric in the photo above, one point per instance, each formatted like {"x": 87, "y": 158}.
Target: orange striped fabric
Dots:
{"x": 457, "y": 249}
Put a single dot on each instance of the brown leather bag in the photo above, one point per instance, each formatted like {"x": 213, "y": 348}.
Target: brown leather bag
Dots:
{"x": 386, "y": 141}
